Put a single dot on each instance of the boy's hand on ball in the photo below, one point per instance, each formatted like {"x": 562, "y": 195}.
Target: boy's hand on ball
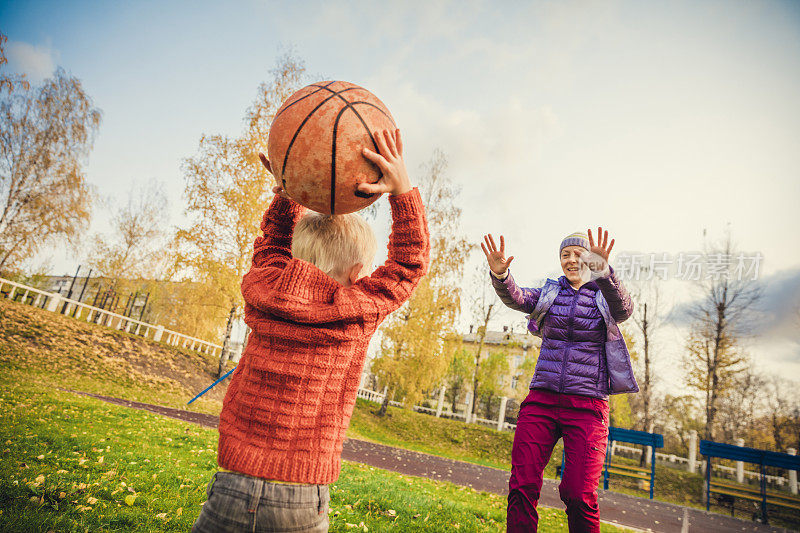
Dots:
{"x": 496, "y": 257}
{"x": 390, "y": 162}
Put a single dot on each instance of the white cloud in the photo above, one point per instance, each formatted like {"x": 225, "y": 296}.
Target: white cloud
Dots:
{"x": 37, "y": 62}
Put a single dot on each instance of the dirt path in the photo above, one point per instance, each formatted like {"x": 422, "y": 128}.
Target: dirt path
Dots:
{"x": 616, "y": 508}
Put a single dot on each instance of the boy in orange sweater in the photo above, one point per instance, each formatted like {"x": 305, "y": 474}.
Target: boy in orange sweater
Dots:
{"x": 312, "y": 315}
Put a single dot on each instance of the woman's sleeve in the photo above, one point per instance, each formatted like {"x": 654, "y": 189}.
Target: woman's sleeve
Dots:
{"x": 617, "y": 296}
{"x": 514, "y": 296}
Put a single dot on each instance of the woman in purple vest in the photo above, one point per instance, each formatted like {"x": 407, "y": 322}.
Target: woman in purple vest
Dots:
{"x": 582, "y": 359}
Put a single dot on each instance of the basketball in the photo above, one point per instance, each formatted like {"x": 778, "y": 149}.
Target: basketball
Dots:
{"x": 315, "y": 144}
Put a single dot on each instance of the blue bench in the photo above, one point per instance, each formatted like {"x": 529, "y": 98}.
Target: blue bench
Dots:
{"x": 763, "y": 458}
{"x": 654, "y": 440}
{"x": 631, "y": 436}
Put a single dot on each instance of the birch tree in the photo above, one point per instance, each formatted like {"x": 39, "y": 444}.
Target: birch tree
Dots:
{"x": 416, "y": 341}
{"x": 227, "y": 191}
{"x": 46, "y": 134}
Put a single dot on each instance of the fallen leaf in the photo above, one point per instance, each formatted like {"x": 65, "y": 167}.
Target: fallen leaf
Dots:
{"x": 129, "y": 499}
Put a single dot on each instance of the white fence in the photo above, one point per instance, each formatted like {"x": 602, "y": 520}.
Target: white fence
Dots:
{"x": 52, "y": 301}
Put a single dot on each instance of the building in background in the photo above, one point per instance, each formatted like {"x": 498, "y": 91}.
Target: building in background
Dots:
{"x": 516, "y": 346}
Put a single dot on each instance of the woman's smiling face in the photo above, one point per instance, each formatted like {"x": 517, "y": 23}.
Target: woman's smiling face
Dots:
{"x": 572, "y": 264}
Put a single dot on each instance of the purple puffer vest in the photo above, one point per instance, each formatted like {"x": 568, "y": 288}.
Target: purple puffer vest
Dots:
{"x": 572, "y": 358}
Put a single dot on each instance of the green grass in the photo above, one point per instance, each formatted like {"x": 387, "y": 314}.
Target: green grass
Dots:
{"x": 438, "y": 436}
{"x": 47, "y": 350}
{"x": 71, "y": 463}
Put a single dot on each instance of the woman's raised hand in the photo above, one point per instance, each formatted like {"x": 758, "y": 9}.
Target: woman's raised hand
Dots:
{"x": 602, "y": 249}
{"x": 496, "y": 258}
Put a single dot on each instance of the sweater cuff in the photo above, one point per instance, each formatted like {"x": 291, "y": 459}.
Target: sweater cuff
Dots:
{"x": 608, "y": 280}
{"x": 501, "y": 277}
{"x": 605, "y": 273}
{"x": 406, "y": 206}
{"x": 285, "y": 207}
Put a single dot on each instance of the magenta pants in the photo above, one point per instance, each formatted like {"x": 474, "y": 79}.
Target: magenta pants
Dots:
{"x": 544, "y": 417}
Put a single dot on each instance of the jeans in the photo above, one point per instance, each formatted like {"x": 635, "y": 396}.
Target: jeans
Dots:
{"x": 544, "y": 417}
{"x": 239, "y": 503}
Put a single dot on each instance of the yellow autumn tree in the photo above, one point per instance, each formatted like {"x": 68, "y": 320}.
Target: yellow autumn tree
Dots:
{"x": 46, "y": 135}
{"x": 227, "y": 191}
{"x": 415, "y": 352}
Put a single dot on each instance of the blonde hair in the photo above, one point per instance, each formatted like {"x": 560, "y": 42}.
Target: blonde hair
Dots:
{"x": 334, "y": 243}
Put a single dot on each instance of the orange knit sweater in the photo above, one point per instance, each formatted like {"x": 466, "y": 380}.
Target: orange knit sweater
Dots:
{"x": 290, "y": 400}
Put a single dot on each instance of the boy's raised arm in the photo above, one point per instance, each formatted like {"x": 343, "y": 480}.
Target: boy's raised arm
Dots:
{"x": 274, "y": 246}
{"x": 408, "y": 253}
{"x": 409, "y": 241}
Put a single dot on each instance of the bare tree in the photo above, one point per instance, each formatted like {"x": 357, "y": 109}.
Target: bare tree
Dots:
{"x": 742, "y": 404}
{"x": 46, "y": 134}
{"x": 485, "y": 306}
{"x": 137, "y": 231}
{"x": 783, "y": 401}
{"x": 720, "y": 321}
{"x": 647, "y": 318}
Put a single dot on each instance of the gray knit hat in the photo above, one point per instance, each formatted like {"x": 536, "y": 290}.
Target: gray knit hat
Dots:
{"x": 576, "y": 239}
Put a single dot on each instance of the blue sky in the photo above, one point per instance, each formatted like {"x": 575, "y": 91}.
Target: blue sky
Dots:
{"x": 654, "y": 119}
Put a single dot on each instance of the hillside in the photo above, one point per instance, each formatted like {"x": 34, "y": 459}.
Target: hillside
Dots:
{"x": 58, "y": 351}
